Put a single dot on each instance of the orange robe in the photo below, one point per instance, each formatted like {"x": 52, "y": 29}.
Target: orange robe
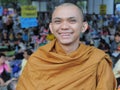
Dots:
{"x": 50, "y": 68}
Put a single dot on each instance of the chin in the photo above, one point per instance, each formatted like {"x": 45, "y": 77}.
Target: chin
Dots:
{"x": 65, "y": 42}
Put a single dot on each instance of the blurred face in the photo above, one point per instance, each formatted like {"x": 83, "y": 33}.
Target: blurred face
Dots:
{"x": 25, "y": 55}
{"x": 2, "y": 59}
{"x": 117, "y": 38}
{"x": 67, "y": 24}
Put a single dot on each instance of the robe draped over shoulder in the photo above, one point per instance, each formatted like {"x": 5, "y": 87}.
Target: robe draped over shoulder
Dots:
{"x": 50, "y": 68}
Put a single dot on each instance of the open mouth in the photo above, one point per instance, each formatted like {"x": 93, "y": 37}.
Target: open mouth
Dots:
{"x": 65, "y": 35}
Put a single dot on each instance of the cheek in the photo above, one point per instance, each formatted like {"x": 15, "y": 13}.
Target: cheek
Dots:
{"x": 77, "y": 28}
{"x": 55, "y": 28}
{"x": 77, "y": 25}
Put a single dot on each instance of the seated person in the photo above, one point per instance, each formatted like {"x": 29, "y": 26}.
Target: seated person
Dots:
{"x": 12, "y": 85}
{"x": 116, "y": 71}
{"x": 104, "y": 46}
{"x": 5, "y": 69}
{"x": 26, "y": 55}
{"x": 114, "y": 48}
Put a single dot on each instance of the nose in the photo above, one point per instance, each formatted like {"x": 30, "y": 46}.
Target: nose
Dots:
{"x": 65, "y": 25}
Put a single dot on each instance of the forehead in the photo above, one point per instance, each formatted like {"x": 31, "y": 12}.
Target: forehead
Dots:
{"x": 67, "y": 11}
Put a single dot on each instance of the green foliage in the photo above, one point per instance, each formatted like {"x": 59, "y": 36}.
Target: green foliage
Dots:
{"x": 25, "y": 2}
{"x": 22, "y": 2}
{"x": 117, "y": 1}
{"x": 8, "y": 1}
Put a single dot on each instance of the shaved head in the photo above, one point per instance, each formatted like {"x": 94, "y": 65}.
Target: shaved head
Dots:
{"x": 69, "y": 5}
{"x": 67, "y": 24}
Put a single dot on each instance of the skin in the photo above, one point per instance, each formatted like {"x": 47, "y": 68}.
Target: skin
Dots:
{"x": 26, "y": 56}
{"x": 117, "y": 38}
{"x": 2, "y": 59}
{"x": 67, "y": 24}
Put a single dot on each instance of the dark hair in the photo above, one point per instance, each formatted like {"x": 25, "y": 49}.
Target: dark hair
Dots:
{"x": 29, "y": 51}
{"x": 102, "y": 40}
{"x": 19, "y": 33}
{"x": 117, "y": 34}
{"x": 2, "y": 54}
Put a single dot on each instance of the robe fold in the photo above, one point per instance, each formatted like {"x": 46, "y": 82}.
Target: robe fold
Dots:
{"x": 50, "y": 68}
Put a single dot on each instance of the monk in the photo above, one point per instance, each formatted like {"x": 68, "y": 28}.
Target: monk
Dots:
{"x": 65, "y": 63}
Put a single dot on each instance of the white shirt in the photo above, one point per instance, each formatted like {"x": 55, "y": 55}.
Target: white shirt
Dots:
{"x": 116, "y": 69}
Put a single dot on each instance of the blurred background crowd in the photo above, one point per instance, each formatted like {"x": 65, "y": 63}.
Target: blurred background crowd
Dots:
{"x": 18, "y": 42}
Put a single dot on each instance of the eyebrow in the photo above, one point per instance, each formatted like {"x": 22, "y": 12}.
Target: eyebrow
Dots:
{"x": 61, "y": 18}
{"x": 56, "y": 18}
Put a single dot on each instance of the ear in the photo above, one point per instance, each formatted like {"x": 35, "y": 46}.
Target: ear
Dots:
{"x": 50, "y": 26}
{"x": 84, "y": 27}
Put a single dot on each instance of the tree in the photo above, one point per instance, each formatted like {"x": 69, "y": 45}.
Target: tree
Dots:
{"x": 8, "y": 3}
{"x": 117, "y": 1}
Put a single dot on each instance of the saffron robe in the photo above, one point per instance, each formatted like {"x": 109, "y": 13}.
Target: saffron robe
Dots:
{"x": 50, "y": 68}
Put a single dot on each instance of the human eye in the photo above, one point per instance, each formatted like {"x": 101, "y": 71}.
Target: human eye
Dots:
{"x": 57, "y": 21}
{"x": 72, "y": 21}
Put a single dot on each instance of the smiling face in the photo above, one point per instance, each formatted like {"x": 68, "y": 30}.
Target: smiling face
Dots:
{"x": 67, "y": 24}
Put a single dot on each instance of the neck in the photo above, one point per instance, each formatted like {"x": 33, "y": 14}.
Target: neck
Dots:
{"x": 70, "y": 48}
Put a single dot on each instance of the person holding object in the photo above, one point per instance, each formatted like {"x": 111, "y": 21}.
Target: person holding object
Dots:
{"x": 65, "y": 63}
